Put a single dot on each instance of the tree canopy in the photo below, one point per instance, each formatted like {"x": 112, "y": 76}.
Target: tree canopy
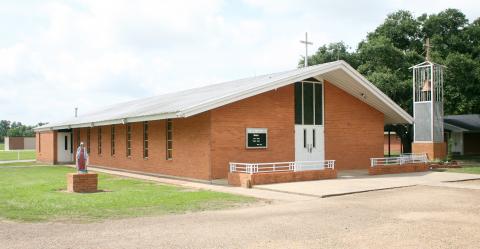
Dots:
{"x": 386, "y": 54}
{"x": 16, "y": 129}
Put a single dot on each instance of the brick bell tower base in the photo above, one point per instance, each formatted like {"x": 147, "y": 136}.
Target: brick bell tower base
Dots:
{"x": 433, "y": 150}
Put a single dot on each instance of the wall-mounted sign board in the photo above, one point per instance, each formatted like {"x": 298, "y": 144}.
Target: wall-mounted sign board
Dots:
{"x": 256, "y": 138}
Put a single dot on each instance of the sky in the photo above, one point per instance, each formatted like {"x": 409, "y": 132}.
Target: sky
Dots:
{"x": 58, "y": 55}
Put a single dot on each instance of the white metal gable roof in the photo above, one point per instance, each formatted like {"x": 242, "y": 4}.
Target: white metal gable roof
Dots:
{"x": 193, "y": 101}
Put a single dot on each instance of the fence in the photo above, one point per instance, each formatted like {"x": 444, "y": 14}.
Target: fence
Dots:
{"x": 402, "y": 159}
{"x": 252, "y": 168}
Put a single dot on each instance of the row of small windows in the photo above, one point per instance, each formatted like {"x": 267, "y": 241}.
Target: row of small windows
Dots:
{"x": 128, "y": 137}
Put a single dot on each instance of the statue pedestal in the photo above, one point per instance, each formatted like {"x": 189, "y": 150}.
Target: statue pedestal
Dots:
{"x": 82, "y": 183}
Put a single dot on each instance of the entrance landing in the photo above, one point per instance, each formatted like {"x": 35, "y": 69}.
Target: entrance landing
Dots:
{"x": 355, "y": 173}
{"x": 350, "y": 182}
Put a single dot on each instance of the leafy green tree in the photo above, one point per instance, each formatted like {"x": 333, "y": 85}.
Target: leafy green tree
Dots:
{"x": 332, "y": 52}
{"x": 386, "y": 54}
{"x": 4, "y": 127}
{"x": 402, "y": 29}
{"x": 462, "y": 84}
{"x": 21, "y": 131}
{"x": 16, "y": 129}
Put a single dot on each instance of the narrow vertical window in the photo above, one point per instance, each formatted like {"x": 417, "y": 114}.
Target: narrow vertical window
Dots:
{"x": 318, "y": 104}
{"x": 78, "y": 137}
{"x": 169, "y": 137}
{"x": 308, "y": 104}
{"x": 66, "y": 143}
{"x": 298, "y": 103}
{"x": 88, "y": 140}
{"x": 304, "y": 138}
{"x": 129, "y": 140}
{"x": 145, "y": 139}
{"x": 112, "y": 140}
{"x": 313, "y": 137}
{"x": 39, "y": 142}
{"x": 99, "y": 137}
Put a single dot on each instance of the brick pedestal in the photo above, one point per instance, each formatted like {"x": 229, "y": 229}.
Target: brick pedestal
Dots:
{"x": 433, "y": 150}
{"x": 82, "y": 183}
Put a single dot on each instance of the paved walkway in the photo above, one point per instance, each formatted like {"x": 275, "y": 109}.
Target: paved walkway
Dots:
{"x": 257, "y": 193}
{"x": 358, "y": 182}
{"x": 349, "y": 182}
{"x": 17, "y": 161}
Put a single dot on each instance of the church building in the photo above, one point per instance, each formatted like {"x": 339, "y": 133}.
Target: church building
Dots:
{"x": 316, "y": 113}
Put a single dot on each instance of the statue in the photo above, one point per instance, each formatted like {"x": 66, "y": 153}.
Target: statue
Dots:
{"x": 82, "y": 159}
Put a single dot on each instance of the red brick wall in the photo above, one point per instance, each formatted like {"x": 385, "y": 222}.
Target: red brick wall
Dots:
{"x": 204, "y": 144}
{"x": 239, "y": 179}
{"x": 46, "y": 147}
{"x": 353, "y": 130}
{"x": 15, "y": 143}
{"x": 273, "y": 110}
{"x": 396, "y": 169}
{"x": 433, "y": 150}
{"x": 191, "y": 147}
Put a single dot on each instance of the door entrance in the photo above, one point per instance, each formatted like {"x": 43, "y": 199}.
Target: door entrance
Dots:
{"x": 64, "y": 147}
{"x": 309, "y": 129}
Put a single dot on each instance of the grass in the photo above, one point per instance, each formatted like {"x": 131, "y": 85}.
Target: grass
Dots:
{"x": 13, "y": 155}
{"x": 38, "y": 194}
{"x": 466, "y": 169}
{"x": 470, "y": 164}
{"x": 2, "y": 146}
{"x": 24, "y": 164}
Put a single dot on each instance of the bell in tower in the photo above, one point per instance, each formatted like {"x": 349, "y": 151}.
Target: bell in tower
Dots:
{"x": 427, "y": 85}
{"x": 428, "y": 109}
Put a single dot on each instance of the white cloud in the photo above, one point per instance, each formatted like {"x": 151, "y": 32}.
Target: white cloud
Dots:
{"x": 55, "y": 55}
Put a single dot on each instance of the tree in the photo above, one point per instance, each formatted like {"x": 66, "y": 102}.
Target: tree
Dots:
{"x": 386, "y": 54}
{"x": 332, "y": 52}
{"x": 15, "y": 129}
{"x": 4, "y": 127}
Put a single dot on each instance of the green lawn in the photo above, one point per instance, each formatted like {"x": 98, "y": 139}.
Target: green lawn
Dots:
{"x": 38, "y": 194}
{"x": 470, "y": 164}
{"x": 2, "y": 146}
{"x": 24, "y": 164}
{"x": 466, "y": 169}
{"x": 14, "y": 155}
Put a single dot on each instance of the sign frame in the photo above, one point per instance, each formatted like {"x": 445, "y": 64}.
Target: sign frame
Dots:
{"x": 249, "y": 131}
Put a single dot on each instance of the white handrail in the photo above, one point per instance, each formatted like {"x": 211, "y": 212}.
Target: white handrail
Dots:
{"x": 253, "y": 168}
{"x": 402, "y": 159}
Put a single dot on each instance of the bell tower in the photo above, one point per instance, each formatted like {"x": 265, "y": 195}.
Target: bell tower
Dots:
{"x": 428, "y": 108}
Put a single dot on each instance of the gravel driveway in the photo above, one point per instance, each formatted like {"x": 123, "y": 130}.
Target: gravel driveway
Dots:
{"x": 411, "y": 217}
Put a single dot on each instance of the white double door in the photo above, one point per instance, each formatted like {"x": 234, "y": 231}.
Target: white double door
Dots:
{"x": 64, "y": 147}
{"x": 309, "y": 143}
{"x": 309, "y": 117}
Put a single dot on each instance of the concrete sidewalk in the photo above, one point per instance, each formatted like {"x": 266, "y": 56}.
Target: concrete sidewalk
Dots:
{"x": 17, "y": 161}
{"x": 347, "y": 183}
{"x": 257, "y": 193}
{"x": 358, "y": 182}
